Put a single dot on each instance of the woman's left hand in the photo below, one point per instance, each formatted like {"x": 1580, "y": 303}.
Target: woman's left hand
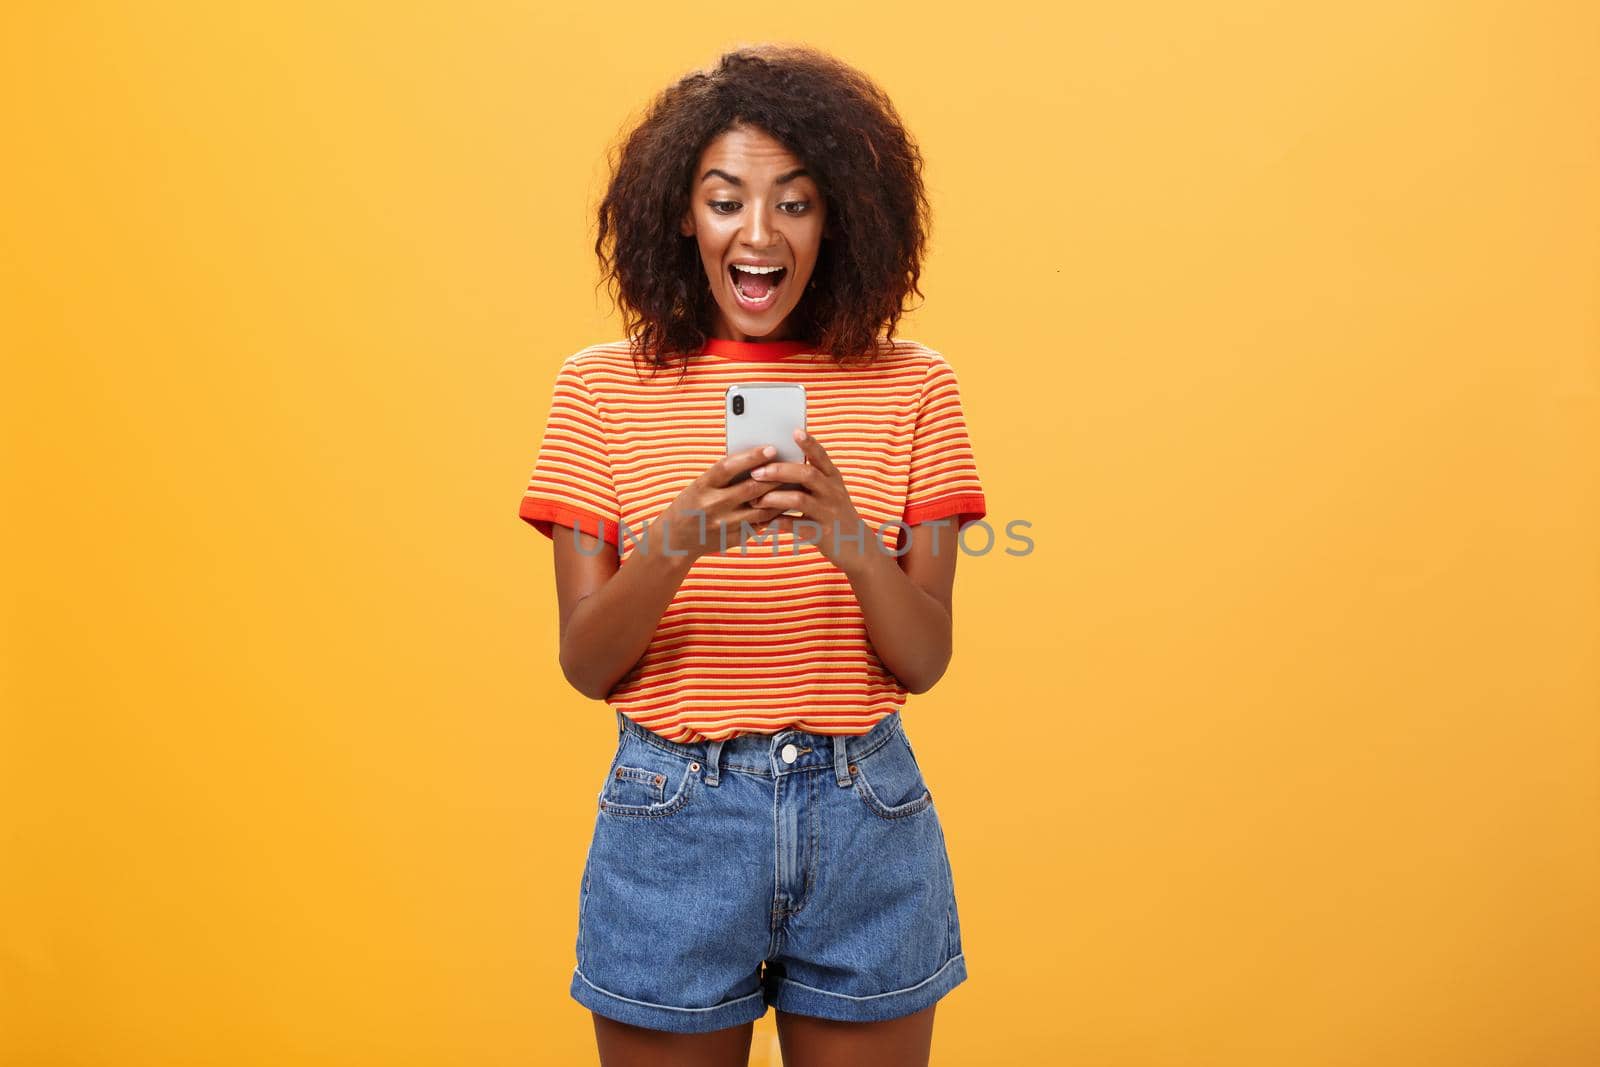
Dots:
{"x": 822, "y": 498}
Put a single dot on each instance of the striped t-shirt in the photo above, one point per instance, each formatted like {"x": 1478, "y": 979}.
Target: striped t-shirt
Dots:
{"x": 754, "y": 641}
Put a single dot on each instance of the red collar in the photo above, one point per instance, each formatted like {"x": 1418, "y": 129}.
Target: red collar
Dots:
{"x": 754, "y": 350}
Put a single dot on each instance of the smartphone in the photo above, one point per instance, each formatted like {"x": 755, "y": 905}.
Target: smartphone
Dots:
{"x": 766, "y": 413}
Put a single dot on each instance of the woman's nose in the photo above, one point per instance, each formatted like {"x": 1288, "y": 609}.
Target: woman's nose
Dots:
{"x": 759, "y": 230}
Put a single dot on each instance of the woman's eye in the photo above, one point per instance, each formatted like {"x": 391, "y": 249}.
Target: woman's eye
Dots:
{"x": 717, "y": 205}
{"x": 801, "y": 204}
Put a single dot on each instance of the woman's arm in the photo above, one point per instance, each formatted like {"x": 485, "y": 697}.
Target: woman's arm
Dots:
{"x": 609, "y": 611}
{"x": 907, "y": 603}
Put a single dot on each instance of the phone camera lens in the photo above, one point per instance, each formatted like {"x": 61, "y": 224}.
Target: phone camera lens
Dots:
{"x": 738, "y": 405}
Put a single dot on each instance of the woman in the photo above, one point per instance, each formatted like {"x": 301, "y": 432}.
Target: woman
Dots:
{"x": 764, "y": 835}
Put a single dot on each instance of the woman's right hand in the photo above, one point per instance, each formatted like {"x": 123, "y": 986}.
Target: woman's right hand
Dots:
{"x": 723, "y": 503}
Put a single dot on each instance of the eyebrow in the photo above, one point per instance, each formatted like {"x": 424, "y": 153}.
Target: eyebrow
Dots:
{"x": 783, "y": 179}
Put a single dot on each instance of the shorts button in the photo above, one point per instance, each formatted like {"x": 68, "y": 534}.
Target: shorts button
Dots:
{"x": 789, "y": 753}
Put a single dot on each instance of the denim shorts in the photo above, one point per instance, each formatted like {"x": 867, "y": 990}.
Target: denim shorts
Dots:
{"x": 805, "y": 871}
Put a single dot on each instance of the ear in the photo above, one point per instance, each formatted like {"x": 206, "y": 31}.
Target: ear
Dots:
{"x": 686, "y": 226}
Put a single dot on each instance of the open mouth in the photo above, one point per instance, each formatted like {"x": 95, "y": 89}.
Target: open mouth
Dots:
{"x": 754, "y": 291}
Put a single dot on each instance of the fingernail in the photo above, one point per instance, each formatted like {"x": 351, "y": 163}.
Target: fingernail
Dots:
{"x": 769, "y": 451}
{"x": 759, "y": 472}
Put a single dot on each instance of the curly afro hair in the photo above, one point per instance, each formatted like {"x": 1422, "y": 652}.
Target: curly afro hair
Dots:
{"x": 847, "y": 133}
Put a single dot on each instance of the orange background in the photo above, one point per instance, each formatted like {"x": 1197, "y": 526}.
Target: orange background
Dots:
{"x": 1277, "y": 322}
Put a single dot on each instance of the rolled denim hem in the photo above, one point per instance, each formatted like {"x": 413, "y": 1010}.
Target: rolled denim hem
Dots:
{"x": 792, "y": 996}
{"x": 664, "y": 1016}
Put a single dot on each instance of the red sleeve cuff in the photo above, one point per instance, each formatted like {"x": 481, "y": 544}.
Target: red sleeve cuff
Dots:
{"x": 969, "y": 507}
{"x": 544, "y": 514}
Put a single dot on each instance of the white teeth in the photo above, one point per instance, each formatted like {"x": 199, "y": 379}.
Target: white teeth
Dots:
{"x": 772, "y": 294}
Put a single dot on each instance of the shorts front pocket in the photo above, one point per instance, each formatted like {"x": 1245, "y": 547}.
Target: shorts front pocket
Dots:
{"x": 644, "y": 782}
{"x": 889, "y": 781}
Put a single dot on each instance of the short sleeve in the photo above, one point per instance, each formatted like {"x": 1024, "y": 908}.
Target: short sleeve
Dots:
{"x": 571, "y": 483}
{"x": 943, "y": 480}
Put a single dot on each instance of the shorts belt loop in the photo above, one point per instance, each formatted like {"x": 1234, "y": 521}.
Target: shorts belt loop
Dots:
{"x": 713, "y": 758}
{"x": 619, "y": 725}
{"x": 841, "y": 760}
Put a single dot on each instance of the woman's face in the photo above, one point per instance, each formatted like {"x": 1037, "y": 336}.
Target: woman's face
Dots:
{"x": 751, "y": 202}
